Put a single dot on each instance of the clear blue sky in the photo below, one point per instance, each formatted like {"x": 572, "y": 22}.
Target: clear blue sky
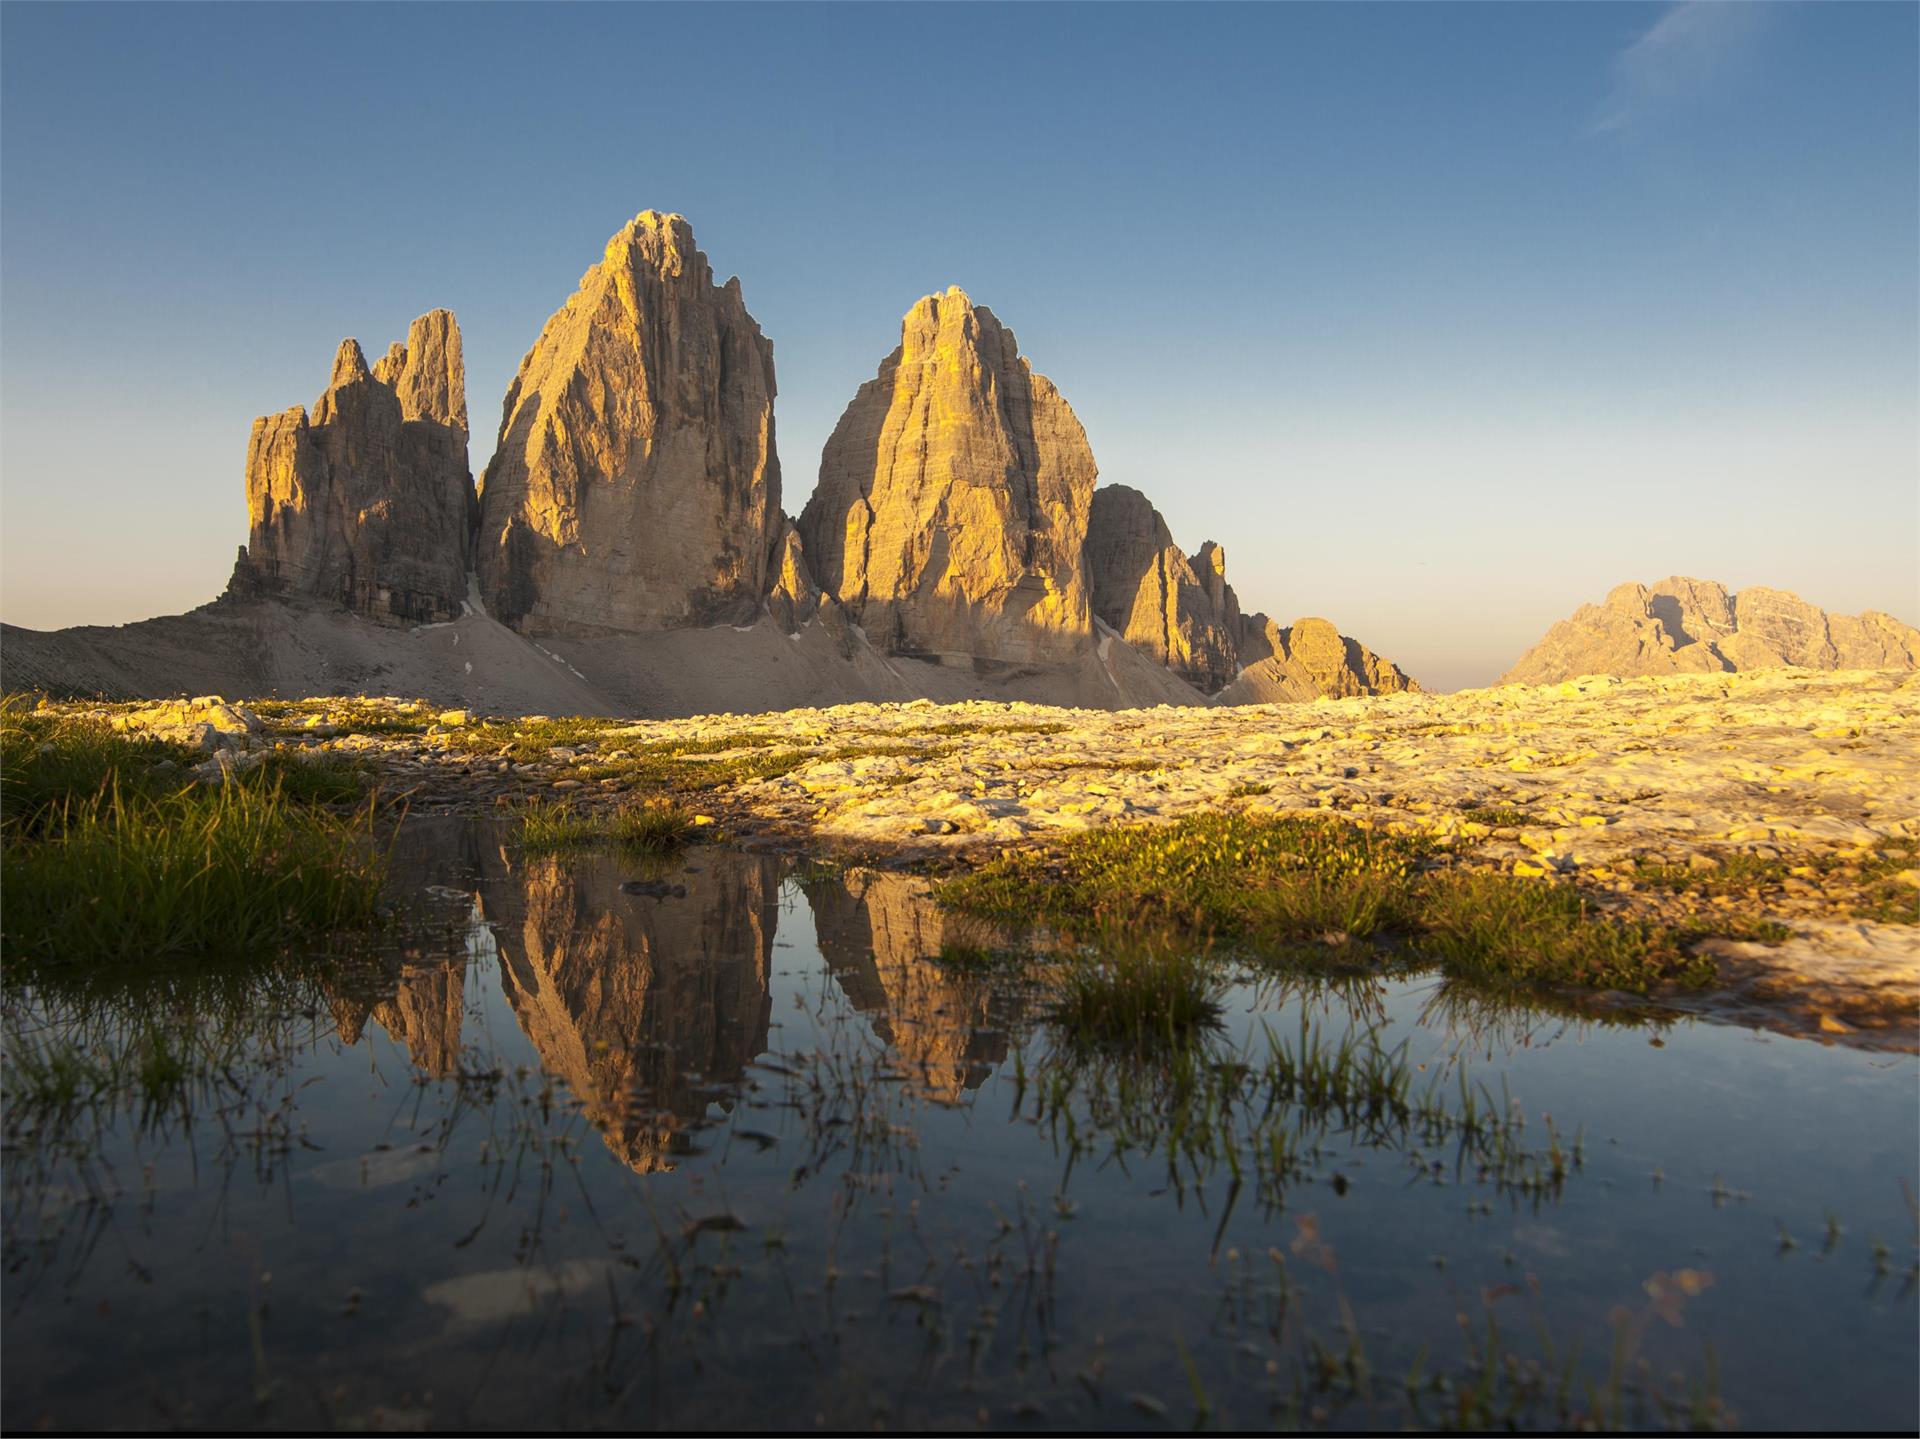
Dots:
{"x": 1443, "y": 319}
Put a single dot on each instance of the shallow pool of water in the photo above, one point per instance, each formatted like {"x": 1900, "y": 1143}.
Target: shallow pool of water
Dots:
{"x": 725, "y": 1144}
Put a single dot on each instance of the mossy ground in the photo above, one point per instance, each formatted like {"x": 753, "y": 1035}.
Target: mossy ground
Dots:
{"x": 1268, "y": 886}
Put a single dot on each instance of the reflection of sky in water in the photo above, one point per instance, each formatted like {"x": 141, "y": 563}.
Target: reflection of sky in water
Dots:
{"x": 531, "y": 1252}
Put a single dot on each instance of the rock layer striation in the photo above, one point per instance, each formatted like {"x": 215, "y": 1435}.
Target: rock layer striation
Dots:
{"x": 368, "y": 503}
{"x": 951, "y": 512}
{"x": 636, "y": 484}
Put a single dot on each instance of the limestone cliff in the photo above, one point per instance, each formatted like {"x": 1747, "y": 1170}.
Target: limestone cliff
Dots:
{"x": 1682, "y": 625}
{"x": 793, "y": 598}
{"x": 368, "y": 504}
{"x": 636, "y": 485}
{"x": 1180, "y": 611}
{"x": 952, "y": 506}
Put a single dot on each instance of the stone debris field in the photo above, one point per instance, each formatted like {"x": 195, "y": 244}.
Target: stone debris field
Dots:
{"x": 1810, "y": 780}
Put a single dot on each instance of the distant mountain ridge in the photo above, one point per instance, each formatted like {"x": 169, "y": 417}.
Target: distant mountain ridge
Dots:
{"x": 1689, "y": 626}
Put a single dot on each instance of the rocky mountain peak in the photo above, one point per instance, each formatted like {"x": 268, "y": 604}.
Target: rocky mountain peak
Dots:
{"x": 1682, "y": 625}
{"x": 432, "y": 382}
{"x": 349, "y": 365}
{"x": 636, "y": 485}
{"x": 365, "y": 505}
{"x": 952, "y": 504}
{"x": 1161, "y": 602}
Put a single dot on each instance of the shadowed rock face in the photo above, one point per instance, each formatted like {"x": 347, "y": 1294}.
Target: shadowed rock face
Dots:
{"x": 636, "y": 485}
{"x": 1682, "y": 626}
{"x": 369, "y": 504}
{"x": 881, "y": 935}
{"x": 639, "y": 1003}
{"x": 1183, "y": 612}
{"x": 952, "y": 505}
{"x": 1180, "y": 611}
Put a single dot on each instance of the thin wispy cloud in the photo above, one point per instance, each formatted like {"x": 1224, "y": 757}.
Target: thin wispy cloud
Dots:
{"x": 1691, "y": 53}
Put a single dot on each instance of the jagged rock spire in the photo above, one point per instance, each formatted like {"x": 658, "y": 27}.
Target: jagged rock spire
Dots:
{"x": 952, "y": 504}
{"x": 636, "y": 485}
{"x": 370, "y": 503}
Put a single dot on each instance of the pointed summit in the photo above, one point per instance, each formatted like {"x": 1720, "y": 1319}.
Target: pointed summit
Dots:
{"x": 953, "y": 497}
{"x": 369, "y": 504}
{"x": 636, "y": 484}
{"x": 349, "y": 365}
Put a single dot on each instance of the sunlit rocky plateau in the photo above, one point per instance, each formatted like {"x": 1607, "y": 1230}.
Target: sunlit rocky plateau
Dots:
{"x": 1581, "y": 782}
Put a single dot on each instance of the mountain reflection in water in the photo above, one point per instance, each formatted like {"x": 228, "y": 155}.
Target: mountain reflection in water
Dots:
{"x": 589, "y": 1121}
{"x": 651, "y": 1002}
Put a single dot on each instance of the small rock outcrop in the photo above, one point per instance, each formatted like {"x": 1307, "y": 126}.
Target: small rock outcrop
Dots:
{"x": 1682, "y": 626}
{"x": 207, "y": 724}
{"x": 793, "y": 598}
{"x": 1180, "y": 611}
{"x": 951, "y": 511}
{"x": 368, "y": 504}
{"x": 1307, "y": 660}
{"x": 636, "y": 486}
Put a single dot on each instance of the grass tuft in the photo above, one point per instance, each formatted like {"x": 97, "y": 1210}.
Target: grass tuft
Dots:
{"x": 1496, "y": 927}
{"x": 1138, "y": 992}
{"x": 654, "y": 827}
{"x": 113, "y": 853}
{"x": 228, "y": 873}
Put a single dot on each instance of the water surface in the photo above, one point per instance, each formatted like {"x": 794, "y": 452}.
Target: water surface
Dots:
{"x": 726, "y": 1145}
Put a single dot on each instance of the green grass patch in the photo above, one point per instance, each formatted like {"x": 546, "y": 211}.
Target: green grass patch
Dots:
{"x": 1862, "y": 884}
{"x": 308, "y": 777}
{"x": 1268, "y": 884}
{"x": 1230, "y": 875}
{"x": 1138, "y": 992}
{"x": 232, "y": 872}
{"x": 1495, "y": 927}
{"x": 1497, "y": 816}
{"x": 48, "y": 759}
{"x": 655, "y": 827}
{"x": 353, "y": 714}
{"x": 112, "y": 852}
{"x": 962, "y": 727}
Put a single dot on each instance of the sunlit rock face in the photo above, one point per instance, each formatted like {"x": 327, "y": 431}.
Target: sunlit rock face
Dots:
{"x": 1307, "y": 660}
{"x": 1682, "y": 626}
{"x": 881, "y": 935}
{"x": 794, "y": 598}
{"x": 952, "y": 505}
{"x": 643, "y": 1004}
{"x": 636, "y": 485}
{"x": 1182, "y": 612}
{"x": 369, "y": 504}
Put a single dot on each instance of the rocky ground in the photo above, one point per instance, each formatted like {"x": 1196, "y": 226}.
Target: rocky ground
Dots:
{"x": 1783, "y": 802}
